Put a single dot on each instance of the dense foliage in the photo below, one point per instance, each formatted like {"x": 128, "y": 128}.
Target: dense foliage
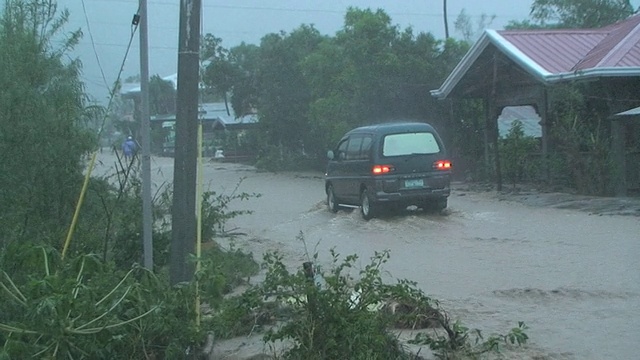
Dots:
{"x": 95, "y": 302}
{"x": 309, "y": 88}
{"x": 42, "y": 113}
{"x": 516, "y": 149}
{"x": 345, "y": 312}
{"x": 574, "y": 14}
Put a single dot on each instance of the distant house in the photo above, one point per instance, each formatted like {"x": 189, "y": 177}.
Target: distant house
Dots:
{"x": 215, "y": 117}
{"x": 131, "y": 90}
{"x": 517, "y": 67}
{"x": 526, "y": 58}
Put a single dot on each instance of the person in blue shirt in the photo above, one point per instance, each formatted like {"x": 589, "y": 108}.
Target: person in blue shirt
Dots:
{"x": 129, "y": 148}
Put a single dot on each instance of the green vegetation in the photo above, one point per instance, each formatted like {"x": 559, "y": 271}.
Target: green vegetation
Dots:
{"x": 42, "y": 99}
{"x": 332, "y": 314}
{"x": 309, "y": 88}
{"x": 515, "y": 150}
{"x": 97, "y": 302}
{"x": 574, "y": 14}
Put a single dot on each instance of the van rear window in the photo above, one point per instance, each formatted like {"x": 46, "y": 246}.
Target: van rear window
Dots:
{"x": 410, "y": 143}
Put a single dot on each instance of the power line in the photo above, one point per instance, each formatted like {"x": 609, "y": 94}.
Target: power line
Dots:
{"x": 299, "y": 10}
{"x": 95, "y": 52}
{"x": 173, "y": 48}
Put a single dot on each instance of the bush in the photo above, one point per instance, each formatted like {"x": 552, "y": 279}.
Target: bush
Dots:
{"x": 332, "y": 315}
{"x": 83, "y": 308}
{"x": 515, "y": 149}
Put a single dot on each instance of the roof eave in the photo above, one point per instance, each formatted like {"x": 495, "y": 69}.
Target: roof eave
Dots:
{"x": 630, "y": 112}
{"x": 518, "y": 56}
{"x": 463, "y": 66}
{"x": 594, "y": 73}
{"x": 488, "y": 37}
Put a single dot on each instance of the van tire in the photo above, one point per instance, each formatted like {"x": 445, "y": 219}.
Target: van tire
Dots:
{"x": 441, "y": 204}
{"x": 367, "y": 206}
{"x": 332, "y": 203}
{"x": 435, "y": 206}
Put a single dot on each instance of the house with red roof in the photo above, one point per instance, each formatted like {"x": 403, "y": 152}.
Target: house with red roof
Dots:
{"x": 518, "y": 67}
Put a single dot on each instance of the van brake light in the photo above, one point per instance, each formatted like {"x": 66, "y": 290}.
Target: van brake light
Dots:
{"x": 381, "y": 169}
{"x": 442, "y": 165}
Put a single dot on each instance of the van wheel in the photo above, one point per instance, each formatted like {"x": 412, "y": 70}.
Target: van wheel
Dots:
{"x": 367, "y": 207}
{"x": 332, "y": 204}
{"x": 435, "y": 205}
{"x": 441, "y": 204}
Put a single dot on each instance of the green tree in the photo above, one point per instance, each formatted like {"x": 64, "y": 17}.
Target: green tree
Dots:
{"x": 366, "y": 38}
{"x": 309, "y": 89}
{"x": 231, "y": 74}
{"x": 464, "y": 25}
{"x": 284, "y": 96}
{"x": 218, "y": 72}
{"x": 574, "y": 14}
{"x": 162, "y": 96}
{"x": 245, "y": 59}
{"x": 42, "y": 137}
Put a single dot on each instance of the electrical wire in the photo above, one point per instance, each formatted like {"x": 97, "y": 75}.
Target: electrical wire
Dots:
{"x": 116, "y": 84}
{"x": 93, "y": 44}
{"x": 92, "y": 163}
{"x": 305, "y": 10}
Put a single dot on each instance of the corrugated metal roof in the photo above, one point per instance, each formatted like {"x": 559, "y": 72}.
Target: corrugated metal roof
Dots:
{"x": 556, "y": 51}
{"x": 616, "y": 48}
{"x": 134, "y": 88}
{"x": 559, "y": 55}
{"x": 217, "y": 113}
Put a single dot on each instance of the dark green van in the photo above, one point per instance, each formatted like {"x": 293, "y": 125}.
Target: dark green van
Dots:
{"x": 387, "y": 167}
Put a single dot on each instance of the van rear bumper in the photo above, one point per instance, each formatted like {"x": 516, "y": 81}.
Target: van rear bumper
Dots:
{"x": 412, "y": 197}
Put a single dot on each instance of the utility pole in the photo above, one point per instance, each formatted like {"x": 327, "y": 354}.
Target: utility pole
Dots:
{"x": 183, "y": 234}
{"x": 145, "y": 131}
{"x": 446, "y": 21}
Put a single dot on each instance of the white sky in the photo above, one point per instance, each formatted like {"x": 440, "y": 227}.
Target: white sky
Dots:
{"x": 244, "y": 20}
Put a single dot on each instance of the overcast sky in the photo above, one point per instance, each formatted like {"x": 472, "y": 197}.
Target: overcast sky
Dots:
{"x": 235, "y": 21}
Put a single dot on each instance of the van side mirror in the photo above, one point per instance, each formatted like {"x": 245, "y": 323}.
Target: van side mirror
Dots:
{"x": 330, "y": 155}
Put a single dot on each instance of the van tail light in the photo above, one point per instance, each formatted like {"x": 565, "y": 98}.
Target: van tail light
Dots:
{"x": 442, "y": 165}
{"x": 381, "y": 169}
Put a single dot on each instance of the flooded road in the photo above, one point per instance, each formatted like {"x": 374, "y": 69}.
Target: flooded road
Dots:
{"x": 572, "y": 277}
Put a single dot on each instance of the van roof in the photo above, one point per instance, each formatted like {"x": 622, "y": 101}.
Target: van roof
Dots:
{"x": 389, "y": 127}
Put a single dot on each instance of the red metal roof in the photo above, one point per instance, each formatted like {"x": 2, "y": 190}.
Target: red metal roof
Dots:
{"x": 559, "y": 55}
{"x": 558, "y": 51}
{"x": 555, "y": 50}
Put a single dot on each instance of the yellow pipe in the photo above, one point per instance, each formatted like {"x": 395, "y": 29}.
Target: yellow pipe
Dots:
{"x": 199, "y": 222}
{"x": 79, "y": 205}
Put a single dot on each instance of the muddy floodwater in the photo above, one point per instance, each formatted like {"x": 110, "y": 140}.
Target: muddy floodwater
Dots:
{"x": 573, "y": 277}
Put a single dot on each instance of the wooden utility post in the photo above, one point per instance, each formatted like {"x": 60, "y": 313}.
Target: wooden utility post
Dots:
{"x": 494, "y": 113}
{"x": 183, "y": 234}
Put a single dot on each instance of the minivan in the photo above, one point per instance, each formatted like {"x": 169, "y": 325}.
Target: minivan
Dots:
{"x": 388, "y": 166}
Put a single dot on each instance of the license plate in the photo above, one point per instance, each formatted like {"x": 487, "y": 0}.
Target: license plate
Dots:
{"x": 413, "y": 183}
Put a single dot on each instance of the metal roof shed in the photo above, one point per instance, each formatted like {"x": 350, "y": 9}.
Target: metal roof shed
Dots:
{"x": 516, "y": 67}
